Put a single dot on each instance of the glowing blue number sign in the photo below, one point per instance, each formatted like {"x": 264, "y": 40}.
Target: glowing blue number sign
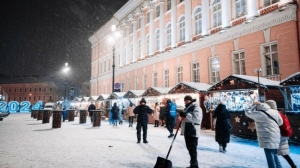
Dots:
{"x": 3, "y": 106}
{"x": 13, "y": 106}
{"x": 25, "y": 106}
{"x": 37, "y": 106}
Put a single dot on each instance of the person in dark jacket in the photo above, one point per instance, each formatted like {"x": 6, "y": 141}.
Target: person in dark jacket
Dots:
{"x": 91, "y": 107}
{"x": 142, "y": 111}
{"x": 115, "y": 114}
{"x": 222, "y": 126}
{"x": 170, "y": 117}
{"x": 64, "y": 113}
{"x": 162, "y": 115}
{"x": 190, "y": 127}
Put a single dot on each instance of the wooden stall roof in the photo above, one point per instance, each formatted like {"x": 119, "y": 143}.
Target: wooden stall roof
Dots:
{"x": 189, "y": 87}
{"x": 94, "y": 98}
{"x": 156, "y": 91}
{"x": 103, "y": 96}
{"x": 85, "y": 99}
{"x": 79, "y": 99}
{"x": 243, "y": 82}
{"x": 134, "y": 93}
{"x": 116, "y": 95}
{"x": 293, "y": 79}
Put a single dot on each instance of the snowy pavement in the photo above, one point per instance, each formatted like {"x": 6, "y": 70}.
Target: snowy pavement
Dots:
{"x": 26, "y": 142}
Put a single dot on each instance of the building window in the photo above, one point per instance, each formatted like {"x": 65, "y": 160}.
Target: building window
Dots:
{"x": 240, "y": 7}
{"x": 157, "y": 11}
{"x": 35, "y": 89}
{"x": 214, "y": 70}
{"x": 148, "y": 17}
{"x": 147, "y": 45}
{"x": 104, "y": 66}
{"x": 34, "y": 98}
{"x": 14, "y": 98}
{"x": 270, "y": 2}
{"x": 24, "y": 98}
{"x": 20, "y": 89}
{"x": 145, "y": 82}
{"x": 195, "y": 72}
{"x": 15, "y": 90}
{"x": 155, "y": 79}
{"x": 50, "y": 97}
{"x": 179, "y": 74}
{"x": 239, "y": 63}
{"x": 157, "y": 40}
{"x": 139, "y": 23}
{"x": 87, "y": 88}
{"x": 40, "y": 89}
{"x": 198, "y": 21}
{"x": 29, "y": 98}
{"x": 108, "y": 65}
{"x": 217, "y": 15}
{"x": 169, "y": 35}
{"x": 136, "y": 79}
{"x": 25, "y": 90}
{"x": 139, "y": 49}
{"x": 182, "y": 29}
{"x": 20, "y": 98}
{"x": 166, "y": 78}
{"x": 44, "y": 98}
{"x": 44, "y": 89}
{"x": 270, "y": 58}
{"x": 169, "y": 4}
{"x": 39, "y": 97}
{"x": 50, "y": 89}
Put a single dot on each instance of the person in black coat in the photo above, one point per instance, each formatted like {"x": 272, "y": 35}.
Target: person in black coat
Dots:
{"x": 222, "y": 126}
{"x": 142, "y": 111}
{"x": 115, "y": 114}
{"x": 91, "y": 107}
{"x": 162, "y": 114}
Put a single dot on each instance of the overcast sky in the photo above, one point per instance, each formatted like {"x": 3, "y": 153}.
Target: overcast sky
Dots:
{"x": 37, "y": 37}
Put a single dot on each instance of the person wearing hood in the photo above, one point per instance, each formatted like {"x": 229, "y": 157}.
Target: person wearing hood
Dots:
{"x": 284, "y": 149}
{"x": 115, "y": 114}
{"x": 267, "y": 122}
{"x": 130, "y": 114}
{"x": 222, "y": 135}
{"x": 142, "y": 111}
{"x": 190, "y": 127}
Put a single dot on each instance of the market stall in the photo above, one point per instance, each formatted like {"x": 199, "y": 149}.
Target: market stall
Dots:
{"x": 103, "y": 102}
{"x": 133, "y": 96}
{"x": 197, "y": 91}
{"x": 117, "y": 97}
{"x": 291, "y": 92}
{"x": 239, "y": 91}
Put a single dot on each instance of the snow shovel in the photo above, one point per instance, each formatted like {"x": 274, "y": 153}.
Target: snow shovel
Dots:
{"x": 164, "y": 162}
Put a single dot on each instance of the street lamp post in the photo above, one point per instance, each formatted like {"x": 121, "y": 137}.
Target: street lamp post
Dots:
{"x": 258, "y": 71}
{"x": 112, "y": 40}
{"x": 66, "y": 70}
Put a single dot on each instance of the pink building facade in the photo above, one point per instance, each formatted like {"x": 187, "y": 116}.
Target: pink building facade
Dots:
{"x": 160, "y": 43}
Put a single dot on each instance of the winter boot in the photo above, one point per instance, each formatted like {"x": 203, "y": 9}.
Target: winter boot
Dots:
{"x": 220, "y": 148}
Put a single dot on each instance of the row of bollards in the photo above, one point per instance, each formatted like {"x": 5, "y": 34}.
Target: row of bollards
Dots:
{"x": 45, "y": 115}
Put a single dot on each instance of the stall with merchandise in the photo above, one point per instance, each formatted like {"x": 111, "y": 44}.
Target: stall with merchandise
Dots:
{"x": 134, "y": 97}
{"x": 238, "y": 92}
{"x": 291, "y": 92}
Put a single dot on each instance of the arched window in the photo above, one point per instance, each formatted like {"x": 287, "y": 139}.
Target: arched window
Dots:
{"x": 240, "y": 8}
{"x": 270, "y": 2}
{"x": 198, "y": 21}
{"x": 217, "y": 15}
{"x": 147, "y": 44}
{"x": 182, "y": 28}
{"x": 169, "y": 35}
{"x": 157, "y": 40}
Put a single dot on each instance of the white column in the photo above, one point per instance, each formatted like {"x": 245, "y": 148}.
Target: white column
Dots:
{"x": 161, "y": 27}
{"x": 151, "y": 39}
{"x": 205, "y": 17}
{"x": 127, "y": 45}
{"x": 251, "y": 8}
{"x": 142, "y": 16}
{"x": 188, "y": 23}
{"x": 225, "y": 13}
{"x": 121, "y": 63}
{"x": 134, "y": 40}
{"x": 173, "y": 23}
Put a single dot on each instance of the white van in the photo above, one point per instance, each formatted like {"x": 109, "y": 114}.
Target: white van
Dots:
{"x": 50, "y": 106}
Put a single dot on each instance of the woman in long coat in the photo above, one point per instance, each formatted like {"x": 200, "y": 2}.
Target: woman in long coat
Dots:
{"x": 156, "y": 114}
{"x": 130, "y": 114}
{"x": 222, "y": 126}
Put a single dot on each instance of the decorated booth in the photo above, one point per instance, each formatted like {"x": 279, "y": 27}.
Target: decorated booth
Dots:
{"x": 103, "y": 103}
{"x": 239, "y": 91}
{"x": 291, "y": 92}
{"x": 197, "y": 91}
{"x": 133, "y": 96}
{"x": 117, "y": 97}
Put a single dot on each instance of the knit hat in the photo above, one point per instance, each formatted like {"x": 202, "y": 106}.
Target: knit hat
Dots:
{"x": 272, "y": 104}
{"x": 188, "y": 97}
{"x": 143, "y": 101}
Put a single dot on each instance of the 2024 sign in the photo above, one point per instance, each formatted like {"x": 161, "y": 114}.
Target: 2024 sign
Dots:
{"x": 23, "y": 107}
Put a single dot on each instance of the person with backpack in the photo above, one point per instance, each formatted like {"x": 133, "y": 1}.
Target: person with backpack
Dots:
{"x": 142, "y": 111}
{"x": 170, "y": 117}
{"x": 285, "y": 131}
{"x": 115, "y": 114}
{"x": 267, "y": 122}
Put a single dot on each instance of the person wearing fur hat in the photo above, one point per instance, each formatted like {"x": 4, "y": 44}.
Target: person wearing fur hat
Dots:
{"x": 142, "y": 111}
{"x": 190, "y": 127}
{"x": 284, "y": 149}
{"x": 267, "y": 122}
{"x": 222, "y": 116}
